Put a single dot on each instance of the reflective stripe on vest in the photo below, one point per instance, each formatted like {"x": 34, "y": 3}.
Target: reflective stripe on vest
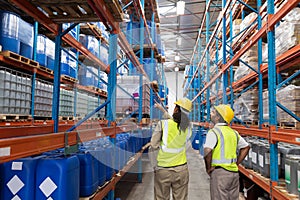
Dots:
{"x": 222, "y": 159}
{"x": 164, "y": 146}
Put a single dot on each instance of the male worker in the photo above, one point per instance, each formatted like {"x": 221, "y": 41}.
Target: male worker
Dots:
{"x": 221, "y": 157}
{"x": 169, "y": 138}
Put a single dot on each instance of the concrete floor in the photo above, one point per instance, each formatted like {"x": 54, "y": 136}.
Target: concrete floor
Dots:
{"x": 130, "y": 189}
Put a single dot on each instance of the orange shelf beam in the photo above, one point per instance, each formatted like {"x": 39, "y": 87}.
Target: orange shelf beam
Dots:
{"x": 18, "y": 147}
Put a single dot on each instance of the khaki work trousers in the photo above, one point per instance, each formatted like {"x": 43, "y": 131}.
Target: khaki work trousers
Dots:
{"x": 224, "y": 185}
{"x": 171, "y": 178}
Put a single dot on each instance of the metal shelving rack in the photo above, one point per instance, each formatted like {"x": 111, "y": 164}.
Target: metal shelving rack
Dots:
{"x": 254, "y": 34}
{"x": 17, "y": 142}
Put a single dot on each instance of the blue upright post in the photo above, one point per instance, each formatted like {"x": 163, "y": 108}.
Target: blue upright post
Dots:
{"x": 217, "y": 70}
{"x": 152, "y": 68}
{"x": 112, "y": 82}
{"x": 231, "y": 53}
{"x": 207, "y": 64}
{"x": 76, "y": 72}
{"x": 56, "y": 84}
{"x": 141, "y": 80}
{"x": 36, "y": 26}
{"x": 225, "y": 75}
{"x": 272, "y": 96}
{"x": 130, "y": 42}
{"x": 260, "y": 78}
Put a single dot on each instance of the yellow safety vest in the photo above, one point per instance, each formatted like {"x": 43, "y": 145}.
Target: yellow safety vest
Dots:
{"x": 172, "y": 146}
{"x": 224, "y": 154}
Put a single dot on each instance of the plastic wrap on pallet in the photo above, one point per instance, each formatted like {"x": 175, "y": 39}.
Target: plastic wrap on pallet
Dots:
{"x": 66, "y": 103}
{"x": 81, "y": 104}
{"x": 293, "y": 15}
{"x": 246, "y": 106}
{"x": 15, "y": 92}
{"x": 43, "y": 98}
{"x": 247, "y": 21}
{"x": 289, "y": 97}
{"x": 26, "y": 38}
{"x": 287, "y": 35}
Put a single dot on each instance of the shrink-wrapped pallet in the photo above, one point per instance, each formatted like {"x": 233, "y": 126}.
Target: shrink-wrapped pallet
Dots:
{"x": 246, "y": 106}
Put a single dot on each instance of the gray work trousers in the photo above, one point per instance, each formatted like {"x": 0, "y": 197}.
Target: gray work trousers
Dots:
{"x": 171, "y": 178}
{"x": 224, "y": 185}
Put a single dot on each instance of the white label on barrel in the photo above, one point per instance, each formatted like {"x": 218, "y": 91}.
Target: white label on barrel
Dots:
{"x": 17, "y": 166}
{"x": 16, "y": 198}
{"x": 261, "y": 160}
{"x": 197, "y": 141}
{"x": 254, "y": 157}
{"x": 5, "y": 151}
{"x": 287, "y": 169}
{"x": 250, "y": 153}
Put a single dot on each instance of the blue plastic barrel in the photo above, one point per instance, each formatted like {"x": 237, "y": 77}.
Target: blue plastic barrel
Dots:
{"x": 88, "y": 174}
{"x": 41, "y": 50}
{"x": 18, "y": 178}
{"x": 57, "y": 177}
{"x": 104, "y": 54}
{"x": 101, "y": 165}
{"x": 93, "y": 45}
{"x": 9, "y": 31}
{"x": 50, "y": 53}
{"x": 64, "y": 66}
{"x": 26, "y": 38}
{"x": 72, "y": 63}
{"x": 109, "y": 162}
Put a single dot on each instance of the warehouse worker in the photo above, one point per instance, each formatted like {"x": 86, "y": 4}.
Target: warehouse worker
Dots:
{"x": 220, "y": 154}
{"x": 169, "y": 138}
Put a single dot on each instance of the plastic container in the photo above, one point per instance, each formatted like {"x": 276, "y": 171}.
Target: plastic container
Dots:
{"x": 135, "y": 31}
{"x": 18, "y": 178}
{"x": 286, "y": 149}
{"x": 9, "y": 31}
{"x": 254, "y": 156}
{"x": 50, "y": 53}
{"x": 72, "y": 62}
{"x": 26, "y": 38}
{"x": 41, "y": 50}
{"x": 64, "y": 66}
{"x": 291, "y": 174}
{"x": 88, "y": 174}
{"x": 99, "y": 154}
{"x": 57, "y": 177}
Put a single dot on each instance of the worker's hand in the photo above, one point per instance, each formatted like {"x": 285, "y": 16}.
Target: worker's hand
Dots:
{"x": 209, "y": 171}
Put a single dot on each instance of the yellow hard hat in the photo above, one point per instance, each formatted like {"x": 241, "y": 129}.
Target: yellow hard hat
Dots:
{"x": 185, "y": 103}
{"x": 225, "y": 111}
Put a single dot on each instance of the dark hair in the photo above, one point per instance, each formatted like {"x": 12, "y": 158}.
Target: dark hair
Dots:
{"x": 181, "y": 119}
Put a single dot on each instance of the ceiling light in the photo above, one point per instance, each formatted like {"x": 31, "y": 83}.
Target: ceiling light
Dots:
{"x": 180, "y": 7}
{"x": 177, "y": 58}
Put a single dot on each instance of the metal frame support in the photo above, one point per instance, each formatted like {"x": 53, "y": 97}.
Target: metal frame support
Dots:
{"x": 112, "y": 77}
{"x": 76, "y": 72}
{"x": 152, "y": 66}
{"x": 272, "y": 96}
{"x": 36, "y": 27}
{"x": 56, "y": 84}
{"x": 207, "y": 63}
{"x": 260, "y": 78}
{"x": 231, "y": 52}
{"x": 225, "y": 75}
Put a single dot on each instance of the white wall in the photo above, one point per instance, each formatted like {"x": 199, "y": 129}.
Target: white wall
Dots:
{"x": 171, "y": 83}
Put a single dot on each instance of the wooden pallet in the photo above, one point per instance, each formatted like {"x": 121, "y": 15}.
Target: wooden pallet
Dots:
{"x": 251, "y": 122}
{"x": 15, "y": 117}
{"x": 68, "y": 118}
{"x": 290, "y": 125}
{"x": 68, "y": 78}
{"x": 115, "y": 9}
{"x": 45, "y": 69}
{"x": 90, "y": 29}
{"x": 145, "y": 121}
{"x": 147, "y": 50}
{"x": 17, "y": 57}
{"x": 42, "y": 118}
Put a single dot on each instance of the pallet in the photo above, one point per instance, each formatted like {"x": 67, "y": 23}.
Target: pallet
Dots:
{"x": 115, "y": 9}
{"x": 68, "y": 78}
{"x": 251, "y": 122}
{"x": 290, "y": 125}
{"x": 17, "y": 57}
{"x": 68, "y": 118}
{"x": 42, "y": 118}
{"x": 102, "y": 92}
{"x": 45, "y": 69}
{"x": 145, "y": 121}
{"x": 147, "y": 50}
{"x": 15, "y": 117}
{"x": 90, "y": 29}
